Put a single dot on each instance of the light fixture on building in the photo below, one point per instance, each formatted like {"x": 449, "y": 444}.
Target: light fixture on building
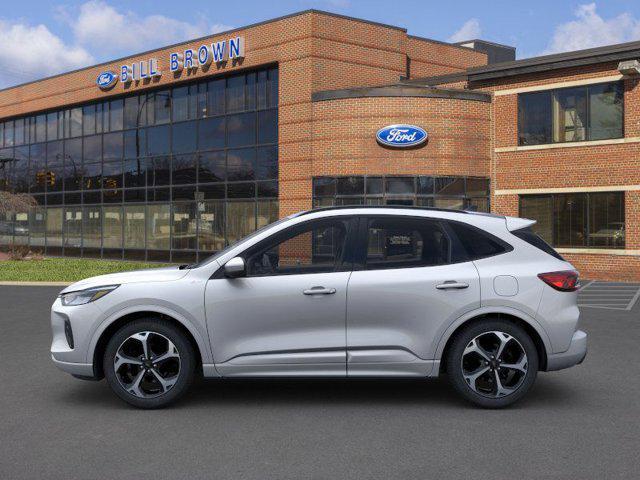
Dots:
{"x": 629, "y": 67}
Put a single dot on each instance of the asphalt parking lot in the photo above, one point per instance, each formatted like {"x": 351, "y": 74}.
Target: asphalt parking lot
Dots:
{"x": 581, "y": 423}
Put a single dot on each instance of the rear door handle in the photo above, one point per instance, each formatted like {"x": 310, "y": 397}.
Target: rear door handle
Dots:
{"x": 452, "y": 285}
{"x": 319, "y": 291}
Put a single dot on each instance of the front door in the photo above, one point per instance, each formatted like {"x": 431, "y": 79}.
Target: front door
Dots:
{"x": 405, "y": 292}
{"x": 287, "y": 315}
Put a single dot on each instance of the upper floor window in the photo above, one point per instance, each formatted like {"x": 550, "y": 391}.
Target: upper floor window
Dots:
{"x": 576, "y": 114}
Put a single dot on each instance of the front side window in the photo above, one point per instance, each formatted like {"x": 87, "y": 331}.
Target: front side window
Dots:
{"x": 577, "y": 220}
{"x": 405, "y": 243}
{"x": 591, "y": 112}
{"x": 315, "y": 248}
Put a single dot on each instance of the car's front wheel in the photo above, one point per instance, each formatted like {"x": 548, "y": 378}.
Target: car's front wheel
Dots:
{"x": 149, "y": 363}
{"x": 492, "y": 363}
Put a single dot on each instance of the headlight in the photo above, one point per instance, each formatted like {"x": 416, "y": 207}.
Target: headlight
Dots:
{"x": 85, "y": 296}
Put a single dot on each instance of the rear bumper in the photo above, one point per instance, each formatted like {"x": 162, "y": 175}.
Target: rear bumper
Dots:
{"x": 573, "y": 356}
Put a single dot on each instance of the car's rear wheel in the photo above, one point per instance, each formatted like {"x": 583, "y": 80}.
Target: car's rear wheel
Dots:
{"x": 149, "y": 363}
{"x": 492, "y": 363}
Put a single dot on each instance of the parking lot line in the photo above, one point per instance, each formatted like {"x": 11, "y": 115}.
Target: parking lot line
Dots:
{"x": 609, "y": 295}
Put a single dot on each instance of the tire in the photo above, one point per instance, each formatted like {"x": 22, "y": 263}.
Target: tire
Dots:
{"x": 147, "y": 383}
{"x": 474, "y": 349}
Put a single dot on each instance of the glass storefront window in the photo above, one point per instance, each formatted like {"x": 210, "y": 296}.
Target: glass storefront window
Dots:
{"x": 211, "y": 225}
{"x": 443, "y": 192}
{"x": 92, "y": 227}
{"x": 106, "y": 172}
{"x": 241, "y": 219}
{"x": 37, "y": 226}
{"x": 112, "y": 227}
{"x": 134, "y": 225}
{"x": 184, "y": 226}
{"x": 158, "y": 226}
{"x": 73, "y": 227}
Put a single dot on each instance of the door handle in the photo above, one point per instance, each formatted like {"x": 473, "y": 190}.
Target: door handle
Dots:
{"x": 319, "y": 291}
{"x": 452, "y": 285}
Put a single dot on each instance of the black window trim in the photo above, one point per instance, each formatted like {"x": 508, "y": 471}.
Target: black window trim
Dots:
{"x": 507, "y": 247}
{"x": 345, "y": 263}
{"x": 551, "y": 91}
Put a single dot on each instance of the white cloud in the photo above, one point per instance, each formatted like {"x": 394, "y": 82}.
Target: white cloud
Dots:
{"x": 29, "y": 52}
{"x": 108, "y": 31}
{"x": 98, "y": 32}
{"x": 591, "y": 30}
{"x": 469, "y": 31}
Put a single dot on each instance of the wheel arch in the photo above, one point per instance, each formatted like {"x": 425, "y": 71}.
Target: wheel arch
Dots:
{"x": 533, "y": 329}
{"x": 109, "y": 328}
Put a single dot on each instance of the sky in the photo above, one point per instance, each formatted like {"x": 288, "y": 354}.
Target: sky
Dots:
{"x": 39, "y": 38}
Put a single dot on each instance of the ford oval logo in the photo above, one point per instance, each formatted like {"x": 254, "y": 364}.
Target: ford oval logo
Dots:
{"x": 106, "y": 80}
{"x": 401, "y": 136}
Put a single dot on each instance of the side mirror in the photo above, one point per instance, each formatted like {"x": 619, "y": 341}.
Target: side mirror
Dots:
{"x": 235, "y": 268}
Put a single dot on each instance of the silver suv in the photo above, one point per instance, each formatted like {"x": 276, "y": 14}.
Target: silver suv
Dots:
{"x": 336, "y": 292}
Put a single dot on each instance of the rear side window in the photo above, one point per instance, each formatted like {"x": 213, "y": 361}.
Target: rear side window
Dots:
{"x": 476, "y": 243}
{"x": 534, "y": 239}
{"x": 405, "y": 243}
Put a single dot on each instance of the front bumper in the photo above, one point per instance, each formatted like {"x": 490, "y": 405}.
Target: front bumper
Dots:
{"x": 573, "y": 356}
{"x": 84, "y": 370}
{"x": 72, "y": 329}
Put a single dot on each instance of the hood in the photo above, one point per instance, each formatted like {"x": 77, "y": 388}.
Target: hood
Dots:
{"x": 165, "y": 274}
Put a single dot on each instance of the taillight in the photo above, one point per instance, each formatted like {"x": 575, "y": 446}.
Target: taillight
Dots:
{"x": 566, "y": 281}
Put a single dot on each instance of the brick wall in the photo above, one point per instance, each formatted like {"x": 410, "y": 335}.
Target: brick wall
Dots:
{"x": 428, "y": 58}
{"x": 344, "y": 137}
{"x": 570, "y": 167}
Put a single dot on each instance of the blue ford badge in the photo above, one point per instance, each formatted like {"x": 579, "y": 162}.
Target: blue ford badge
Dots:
{"x": 401, "y": 136}
{"x": 106, "y": 80}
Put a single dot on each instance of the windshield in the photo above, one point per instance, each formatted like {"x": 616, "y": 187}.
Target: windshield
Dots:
{"x": 222, "y": 252}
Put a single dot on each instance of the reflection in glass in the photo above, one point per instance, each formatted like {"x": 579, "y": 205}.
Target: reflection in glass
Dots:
{"x": 158, "y": 226}
{"x": 241, "y": 219}
{"x": 112, "y": 229}
{"x": 92, "y": 227}
{"x": 134, "y": 225}
{"x": 184, "y": 226}
{"x": 73, "y": 227}
{"x": 211, "y": 225}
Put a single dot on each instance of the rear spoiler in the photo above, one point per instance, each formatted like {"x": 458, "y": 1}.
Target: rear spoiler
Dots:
{"x": 515, "y": 223}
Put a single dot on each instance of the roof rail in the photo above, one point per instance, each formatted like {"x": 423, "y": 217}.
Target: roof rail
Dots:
{"x": 397, "y": 207}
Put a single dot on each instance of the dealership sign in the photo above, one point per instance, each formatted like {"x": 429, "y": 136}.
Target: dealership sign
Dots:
{"x": 189, "y": 59}
{"x": 401, "y": 136}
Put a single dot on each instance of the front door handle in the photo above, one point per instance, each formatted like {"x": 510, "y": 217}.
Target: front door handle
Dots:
{"x": 319, "y": 291}
{"x": 452, "y": 285}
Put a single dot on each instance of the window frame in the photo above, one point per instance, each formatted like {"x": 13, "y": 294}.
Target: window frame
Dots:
{"x": 552, "y": 92}
{"x": 344, "y": 264}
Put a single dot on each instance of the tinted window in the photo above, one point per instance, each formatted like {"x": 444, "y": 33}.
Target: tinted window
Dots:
{"x": 405, "y": 243}
{"x": 476, "y": 243}
{"x": 314, "y": 248}
{"x": 531, "y": 238}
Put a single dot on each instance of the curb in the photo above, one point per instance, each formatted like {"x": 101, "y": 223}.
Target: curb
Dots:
{"x": 36, "y": 284}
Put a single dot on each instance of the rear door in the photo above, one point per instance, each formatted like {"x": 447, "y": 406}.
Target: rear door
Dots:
{"x": 403, "y": 293}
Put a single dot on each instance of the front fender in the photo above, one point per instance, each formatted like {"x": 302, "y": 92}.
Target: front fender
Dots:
{"x": 198, "y": 332}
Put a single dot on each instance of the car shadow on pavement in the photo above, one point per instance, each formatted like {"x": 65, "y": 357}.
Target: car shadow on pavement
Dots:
{"x": 321, "y": 392}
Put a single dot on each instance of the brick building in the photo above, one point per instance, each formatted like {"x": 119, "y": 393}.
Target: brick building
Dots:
{"x": 173, "y": 153}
